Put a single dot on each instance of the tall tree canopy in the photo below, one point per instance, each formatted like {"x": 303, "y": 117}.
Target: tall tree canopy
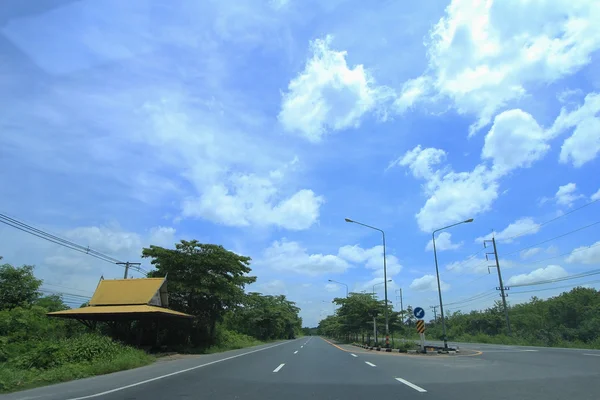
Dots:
{"x": 18, "y": 286}
{"x": 205, "y": 280}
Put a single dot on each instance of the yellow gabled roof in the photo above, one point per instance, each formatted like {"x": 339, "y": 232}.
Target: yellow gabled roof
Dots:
{"x": 87, "y": 312}
{"x": 125, "y": 291}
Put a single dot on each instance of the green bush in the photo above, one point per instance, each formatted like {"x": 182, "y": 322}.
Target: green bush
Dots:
{"x": 405, "y": 346}
{"x": 44, "y": 354}
{"x": 231, "y": 340}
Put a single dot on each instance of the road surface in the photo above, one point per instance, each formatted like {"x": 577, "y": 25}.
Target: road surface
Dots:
{"x": 312, "y": 368}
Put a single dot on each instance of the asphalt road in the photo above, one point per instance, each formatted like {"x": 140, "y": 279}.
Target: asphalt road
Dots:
{"x": 311, "y": 368}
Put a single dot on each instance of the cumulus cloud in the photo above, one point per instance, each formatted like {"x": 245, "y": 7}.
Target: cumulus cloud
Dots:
{"x": 595, "y": 196}
{"x": 428, "y": 283}
{"x": 566, "y": 194}
{"x": 585, "y": 255}
{"x": 452, "y": 196}
{"x": 328, "y": 95}
{"x": 372, "y": 259}
{"x": 420, "y": 161}
{"x": 443, "y": 242}
{"x": 540, "y": 274}
{"x": 253, "y": 200}
{"x": 584, "y": 143}
{"x": 290, "y": 256}
{"x": 521, "y": 227}
{"x": 514, "y": 141}
{"x": 483, "y": 55}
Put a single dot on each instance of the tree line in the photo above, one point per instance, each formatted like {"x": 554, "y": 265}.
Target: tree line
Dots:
{"x": 569, "y": 319}
{"x": 204, "y": 280}
{"x": 208, "y": 282}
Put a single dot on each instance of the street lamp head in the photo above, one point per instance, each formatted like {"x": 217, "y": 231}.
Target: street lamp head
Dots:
{"x": 348, "y": 220}
{"x": 469, "y": 220}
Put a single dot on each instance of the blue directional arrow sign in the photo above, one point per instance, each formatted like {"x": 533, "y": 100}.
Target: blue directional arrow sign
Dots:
{"x": 419, "y": 312}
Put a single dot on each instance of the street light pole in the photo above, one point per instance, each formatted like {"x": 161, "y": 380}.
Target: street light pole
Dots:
{"x": 331, "y": 280}
{"x": 380, "y": 283}
{"x": 437, "y": 273}
{"x": 387, "y": 328}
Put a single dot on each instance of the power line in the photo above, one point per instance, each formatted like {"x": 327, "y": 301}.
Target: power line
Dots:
{"x": 564, "y": 278}
{"x": 468, "y": 299}
{"x": 554, "y": 238}
{"x": 65, "y": 287}
{"x": 563, "y": 254}
{"x": 5, "y": 219}
{"x": 557, "y": 287}
{"x": 551, "y": 220}
{"x": 73, "y": 295}
{"x": 55, "y": 239}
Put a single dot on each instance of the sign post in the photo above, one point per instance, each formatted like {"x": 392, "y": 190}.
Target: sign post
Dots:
{"x": 420, "y": 313}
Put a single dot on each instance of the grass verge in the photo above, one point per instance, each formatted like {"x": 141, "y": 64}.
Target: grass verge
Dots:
{"x": 14, "y": 379}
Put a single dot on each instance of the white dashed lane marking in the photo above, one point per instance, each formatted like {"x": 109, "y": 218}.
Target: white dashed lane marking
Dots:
{"x": 371, "y": 364}
{"x": 412, "y": 385}
{"x": 278, "y": 368}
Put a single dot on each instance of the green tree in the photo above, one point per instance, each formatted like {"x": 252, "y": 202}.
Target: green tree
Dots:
{"x": 205, "y": 280}
{"x": 18, "y": 286}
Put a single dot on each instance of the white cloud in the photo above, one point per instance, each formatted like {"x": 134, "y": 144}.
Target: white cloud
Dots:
{"x": 456, "y": 196}
{"x": 443, "y": 242}
{"x": 291, "y": 256}
{"x": 251, "y": 201}
{"x": 420, "y": 161}
{"x": 484, "y": 54}
{"x": 109, "y": 239}
{"x": 452, "y": 196}
{"x": 478, "y": 265}
{"x": 328, "y": 95}
{"x": 470, "y": 265}
{"x": 428, "y": 283}
{"x": 514, "y": 141}
{"x": 521, "y": 227}
{"x": 585, "y": 255}
{"x": 412, "y": 91}
{"x": 540, "y": 274}
{"x": 272, "y": 287}
{"x": 565, "y": 195}
{"x": 525, "y": 254}
{"x": 584, "y": 144}
{"x": 595, "y": 196}
{"x": 162, "y": 236}
{"x": 372, "y": 259}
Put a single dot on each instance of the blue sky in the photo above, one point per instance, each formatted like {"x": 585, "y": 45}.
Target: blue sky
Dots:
{"x": 261, "y": 125}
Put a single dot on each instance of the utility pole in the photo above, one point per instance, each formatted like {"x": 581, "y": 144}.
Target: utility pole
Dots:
{"x": 434, "y": 308}
{"x": 501, "y": 287}
{"x": 127, "y": 264}
{"x": 401, "y": 305}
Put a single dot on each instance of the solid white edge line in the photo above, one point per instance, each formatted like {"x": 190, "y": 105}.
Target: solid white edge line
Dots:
{"x": 593, "y": 355}
{"x": 296, "y": 352}
{"x": 412, "y": 385}
{"x": 278, "y": 368}
{"x": 371, "y": 364}
{"x": 172, "y": 373}
{"x": 353, "y": 355}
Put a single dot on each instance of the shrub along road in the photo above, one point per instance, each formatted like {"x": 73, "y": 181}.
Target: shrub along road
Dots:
{"x": 312, "y": 368}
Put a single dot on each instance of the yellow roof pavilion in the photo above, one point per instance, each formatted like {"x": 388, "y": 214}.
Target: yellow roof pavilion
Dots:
{"x": 120, "y": 299}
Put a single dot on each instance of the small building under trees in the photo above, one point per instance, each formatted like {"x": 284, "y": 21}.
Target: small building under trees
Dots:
{"x": 118, "y": 302}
